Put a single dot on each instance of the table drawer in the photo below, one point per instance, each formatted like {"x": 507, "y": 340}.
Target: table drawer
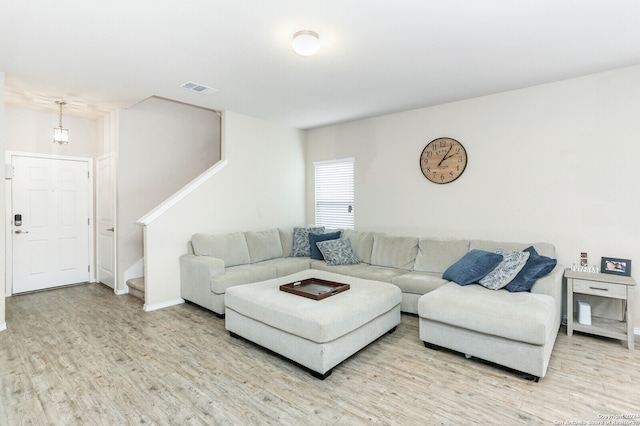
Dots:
{"x": 616, "y": 291}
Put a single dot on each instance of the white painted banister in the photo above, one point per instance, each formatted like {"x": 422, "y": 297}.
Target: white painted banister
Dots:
{"x": 186, "y": 190}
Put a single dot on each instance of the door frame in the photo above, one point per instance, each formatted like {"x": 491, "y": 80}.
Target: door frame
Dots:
{"x": 9, "y": 210}
{"x": 98, "y": 176}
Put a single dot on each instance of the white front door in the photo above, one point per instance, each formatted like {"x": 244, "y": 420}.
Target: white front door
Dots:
{"x": 50, "y": 222}
{"x": 105, "y": 179}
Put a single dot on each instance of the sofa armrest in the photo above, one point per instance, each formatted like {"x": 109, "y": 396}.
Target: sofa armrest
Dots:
{"x": 195, "y": 277}
{"x": 211, "y": 266}
{"x": 551, "y": 284}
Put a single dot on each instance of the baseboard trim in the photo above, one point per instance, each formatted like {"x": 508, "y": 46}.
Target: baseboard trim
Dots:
{"x": 121, "y": 292}
{"x": 149, "y": 308}
{"x": 3, "y": 326}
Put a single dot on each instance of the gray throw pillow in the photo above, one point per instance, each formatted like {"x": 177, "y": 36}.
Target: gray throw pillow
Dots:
{"x": 512, "y": 263}
{"x": 338, "y": 252}
{"x": 301, "y": 240}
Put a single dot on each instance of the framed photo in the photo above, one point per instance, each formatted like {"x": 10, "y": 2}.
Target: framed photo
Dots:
{"x": 612, "y": 265}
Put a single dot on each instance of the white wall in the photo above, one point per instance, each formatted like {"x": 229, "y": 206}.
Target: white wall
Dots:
{"x": 30, "y": 130}
{"x": 261, "y": 187}
{"x": 162, "y": 145}
{"x": 556, "y": 163}
{"x": 3, "y": 324}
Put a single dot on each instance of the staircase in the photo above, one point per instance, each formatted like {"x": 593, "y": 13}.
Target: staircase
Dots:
{"x": 136, "y": 287}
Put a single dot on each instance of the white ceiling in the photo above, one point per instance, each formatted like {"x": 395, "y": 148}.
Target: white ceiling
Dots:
{"x": 377, "y": 56}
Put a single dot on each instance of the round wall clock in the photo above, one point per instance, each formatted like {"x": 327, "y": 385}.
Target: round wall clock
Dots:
{"x": 443, "y": 160}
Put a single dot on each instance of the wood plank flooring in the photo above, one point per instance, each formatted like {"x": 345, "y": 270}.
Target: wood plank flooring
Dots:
{"x": 81, "y": 355}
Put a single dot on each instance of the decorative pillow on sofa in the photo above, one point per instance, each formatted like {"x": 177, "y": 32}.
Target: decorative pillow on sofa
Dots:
{"x": 338, "y": 252}
{"x": 537, "y": 266}
{"x": 316, "y": 238}
{"x": 472, "y": 267}
{"x": 301, "y": 240}
{"x": 512, "y": 263}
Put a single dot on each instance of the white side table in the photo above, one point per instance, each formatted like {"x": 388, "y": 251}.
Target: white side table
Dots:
{"x": 603, "y": 285}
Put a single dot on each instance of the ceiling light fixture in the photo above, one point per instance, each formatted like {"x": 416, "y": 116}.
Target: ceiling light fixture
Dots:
{"x": 60, "y": 135}
{"x": 305, "y": 43}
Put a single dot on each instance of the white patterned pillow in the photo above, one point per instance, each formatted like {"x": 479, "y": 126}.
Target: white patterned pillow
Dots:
{"x": 512, "y": 263}
{"x": 338, "y": 252}
{"x": 301, "y": 246}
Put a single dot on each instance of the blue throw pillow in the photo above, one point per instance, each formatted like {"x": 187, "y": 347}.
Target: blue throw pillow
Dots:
{"x": 315, "y": 238}
{"x": 472, "y": 267}
{"x": 537, "y": 266}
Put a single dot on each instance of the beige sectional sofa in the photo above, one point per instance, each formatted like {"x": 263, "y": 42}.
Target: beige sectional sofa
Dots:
{"x": 488, "y": 324}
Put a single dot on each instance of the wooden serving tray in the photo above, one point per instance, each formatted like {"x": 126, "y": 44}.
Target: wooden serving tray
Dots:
{"x": 314, "y": 288}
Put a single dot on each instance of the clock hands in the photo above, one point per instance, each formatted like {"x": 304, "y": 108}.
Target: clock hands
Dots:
{"x": 447, "y": 155}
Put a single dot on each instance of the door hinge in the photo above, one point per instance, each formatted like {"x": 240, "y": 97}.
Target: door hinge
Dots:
{"x": 88, "y": 221}
{"x": 88, "y": 268}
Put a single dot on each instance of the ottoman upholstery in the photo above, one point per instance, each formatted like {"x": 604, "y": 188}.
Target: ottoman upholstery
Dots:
{"x": 317, "y": 334}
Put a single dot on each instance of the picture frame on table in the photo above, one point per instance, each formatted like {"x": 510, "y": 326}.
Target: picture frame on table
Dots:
{"x": 613, "y": 265}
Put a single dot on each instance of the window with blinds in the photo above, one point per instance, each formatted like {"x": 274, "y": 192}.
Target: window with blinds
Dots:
{"x": 334, "y": 193}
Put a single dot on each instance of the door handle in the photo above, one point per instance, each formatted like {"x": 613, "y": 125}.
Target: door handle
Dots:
{"x": 111, "y": 229}
{"x": 19, "y": 231}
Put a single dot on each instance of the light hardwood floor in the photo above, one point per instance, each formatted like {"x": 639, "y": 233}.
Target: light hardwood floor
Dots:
{"x": 81, "y": 355}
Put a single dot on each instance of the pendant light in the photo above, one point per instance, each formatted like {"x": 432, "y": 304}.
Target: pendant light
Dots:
{"x": 60, "y": 135}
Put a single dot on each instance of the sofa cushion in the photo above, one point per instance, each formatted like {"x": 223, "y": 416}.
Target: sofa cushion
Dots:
{"x": 360, "y": 270}
{"x": 337, "y": 252}
{"x": 287, "y": 265}
{"x": 545, "y": 249}
{"x": 419, "y": 282}
{"x": 437, "y": 255}
{"x": 512, "y": 263}
{"x": 393, "y": 251}
{"x": 286, "y": 238}
{"x": 524, "y": 317}
{"x": 361, "y": 243}
{"x": 472, "y": 267}
{"x": 231, "y": 248}
{"x": 301, "y": 240}
{"x": 264, "y": 245}
{"x": 348, "y": 270}
{"x": 316, "y": 238}
{"x": 537, "y": 266}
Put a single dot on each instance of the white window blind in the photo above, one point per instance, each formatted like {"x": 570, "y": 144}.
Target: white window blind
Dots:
{"x": 334, "y": 193}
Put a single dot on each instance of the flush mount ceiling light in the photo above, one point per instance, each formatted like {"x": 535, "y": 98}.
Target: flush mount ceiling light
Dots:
{"x": 60, "y": 135}
{"x": 305, "y": 43}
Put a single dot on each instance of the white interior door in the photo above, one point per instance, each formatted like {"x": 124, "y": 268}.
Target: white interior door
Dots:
{"x": 50, "y": 222}
{"x": 105, "y": 176}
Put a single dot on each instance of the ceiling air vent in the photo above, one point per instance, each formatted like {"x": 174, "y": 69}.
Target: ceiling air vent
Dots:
{"x": 205, "y": 90}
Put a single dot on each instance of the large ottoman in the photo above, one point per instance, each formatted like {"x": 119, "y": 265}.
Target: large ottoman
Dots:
{"x": 317, "y": 334}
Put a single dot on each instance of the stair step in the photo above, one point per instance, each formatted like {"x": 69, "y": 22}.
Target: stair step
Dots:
{"x": 136, "y": 287}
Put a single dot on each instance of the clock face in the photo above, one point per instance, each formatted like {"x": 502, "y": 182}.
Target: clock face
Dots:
{"x": 443, "y": 160}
